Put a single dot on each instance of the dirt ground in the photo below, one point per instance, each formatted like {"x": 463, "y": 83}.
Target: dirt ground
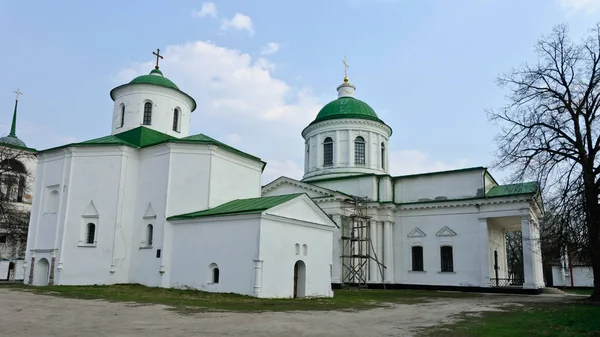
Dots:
{"x": 26, "y": 314}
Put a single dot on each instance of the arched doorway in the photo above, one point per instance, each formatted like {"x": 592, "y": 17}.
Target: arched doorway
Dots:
{"x": 299, "y": 279}
{"x": 42, "y": 268}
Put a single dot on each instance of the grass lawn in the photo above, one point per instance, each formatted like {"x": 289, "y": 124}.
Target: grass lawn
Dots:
{"x": 579, "y": 291}
{"x": 195, "y": 301}
{"x": 570, "y": 318}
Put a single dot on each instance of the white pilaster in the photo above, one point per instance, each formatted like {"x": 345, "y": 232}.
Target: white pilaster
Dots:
{"x": 258, "y": 266}
{"x": 336, "y": 268}
{"x": 379, "y": 247}
{"x": 388, "y": 254}
{"x": 350, "y": 149}
{"x": 484, "y": 251}
{"x": 529, "y": 255}
{"x": 373, "y": 266}
{"x": 337, "y": 160}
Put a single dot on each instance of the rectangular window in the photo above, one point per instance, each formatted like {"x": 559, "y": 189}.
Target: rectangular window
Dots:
{"x": 446, "y": 258}
{"x": 417, "y": 258}
{"x": 3, "y": 238}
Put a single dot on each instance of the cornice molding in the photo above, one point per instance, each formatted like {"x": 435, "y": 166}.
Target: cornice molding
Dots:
{"x": 338, "y": 122}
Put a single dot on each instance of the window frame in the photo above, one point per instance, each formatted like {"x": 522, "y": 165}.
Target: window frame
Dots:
{"x": 417, "y": 259}
{"x": 122, "y": 120}
{"x": 360, "y": 151}
{"x": 446, "y": 266}
{"x": 328, "y": 151}
{"x": 176, "y": 120}
{"x": 90, "y": 233}
{"x": 383, "y": 155}
{"x": 147, "y": 116}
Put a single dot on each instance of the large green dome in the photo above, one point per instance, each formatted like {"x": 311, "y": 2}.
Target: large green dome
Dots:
{"x": 155, "y": 77}
{"x": 346, "y": 107}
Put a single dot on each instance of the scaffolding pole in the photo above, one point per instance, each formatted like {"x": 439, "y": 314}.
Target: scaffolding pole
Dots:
{"x": 358, "y": 252}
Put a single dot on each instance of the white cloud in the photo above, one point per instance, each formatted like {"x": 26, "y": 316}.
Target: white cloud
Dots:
{"x": 37, "y": 136}
{"x": 414, "y": 161}
{"x": 208, "y": 9}
{"x": 587, "y": 6}
{"x": 240, "y": 22}
{"x": 270, "y": 48}
{"x": 240, "y": 102}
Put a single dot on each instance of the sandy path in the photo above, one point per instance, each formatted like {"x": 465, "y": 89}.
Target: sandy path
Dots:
{"x": 27, "y": 314}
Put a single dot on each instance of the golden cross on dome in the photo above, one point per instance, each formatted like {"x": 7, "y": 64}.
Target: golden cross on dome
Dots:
{"x": 346, "y": 66}
{"x": 18, "y": 93}
{"x": 157, "y": 57}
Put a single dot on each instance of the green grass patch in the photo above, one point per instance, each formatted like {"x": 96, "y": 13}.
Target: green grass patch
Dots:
{"x": 579, "y": 291}
{"x": 195, "y": 300}
{"x": 567, "y": 318}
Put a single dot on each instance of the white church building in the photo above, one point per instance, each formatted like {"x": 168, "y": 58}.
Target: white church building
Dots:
{"x": 154, "y": 205}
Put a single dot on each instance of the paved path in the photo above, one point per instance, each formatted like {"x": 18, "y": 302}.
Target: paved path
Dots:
{"x": 23, "y": 313}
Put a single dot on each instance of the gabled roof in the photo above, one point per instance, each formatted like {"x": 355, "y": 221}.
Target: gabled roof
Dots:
{"x": 239, "y": 207}
{"x": 142, "y": 137}
{"x": 322, "y": 191}
{"x": 513, "y": 189}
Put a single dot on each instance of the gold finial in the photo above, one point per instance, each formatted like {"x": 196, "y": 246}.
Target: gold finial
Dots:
{"x": 157, "y": 57}
{"x": 18, "y": 93}
{"x": 346, "y": 66}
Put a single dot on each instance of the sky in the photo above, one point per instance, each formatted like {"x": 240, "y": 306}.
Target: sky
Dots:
{"x": 260, "y": 70}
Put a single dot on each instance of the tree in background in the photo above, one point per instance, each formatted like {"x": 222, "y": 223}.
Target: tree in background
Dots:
{"x": 14, "y": 217}
{"x": 550, "y": 128}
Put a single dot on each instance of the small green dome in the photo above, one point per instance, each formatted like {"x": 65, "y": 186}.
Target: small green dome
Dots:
{"x": 155, "y": 77}
{"x": 12, "y": 140}
{"x": 346, "y": 107}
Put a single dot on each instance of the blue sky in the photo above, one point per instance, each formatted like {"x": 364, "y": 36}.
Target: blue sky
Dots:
{"x": 260, "y": 70}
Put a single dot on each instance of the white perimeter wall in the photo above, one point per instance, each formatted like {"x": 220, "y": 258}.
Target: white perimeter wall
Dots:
{"x": 230, "y": 242}
{"x": 583, "y": 276}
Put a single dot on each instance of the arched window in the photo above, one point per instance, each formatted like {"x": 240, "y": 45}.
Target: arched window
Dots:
{"x": 215, "y": 275}
{"x": 328, "y": 152}
{"x": 90, "y": 234}
{"x": 21, "y": 189}
{"x": 304, "y": 249}
{"x": 176, "y": 120}
{"x": 359, "y": 150}
{"x": 147, "y": 113}
{"x": 297, "y": 249}
{"x": 382, "y": 155}
{"x": 149, "y": 234}
{"x": 122, "y": 115}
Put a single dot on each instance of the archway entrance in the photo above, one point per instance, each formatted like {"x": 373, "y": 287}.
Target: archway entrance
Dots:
{"x": 42, "y": 269}
{"x": 299, "y": 279}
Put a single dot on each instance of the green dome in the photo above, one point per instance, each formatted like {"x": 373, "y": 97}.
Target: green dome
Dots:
{"x": 155, "y": 77}
{"x": 12, "y": 140}
{"x": 346, "y": 107}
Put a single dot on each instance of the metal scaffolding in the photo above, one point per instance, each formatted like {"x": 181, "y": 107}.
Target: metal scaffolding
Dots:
{"x": 358, "y": 253}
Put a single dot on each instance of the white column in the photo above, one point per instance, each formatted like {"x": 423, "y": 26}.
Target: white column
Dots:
{"x": 350, "y": 149}
{"x": 369, "y": 150}
{"x": 337, "y": 161}
{"x": 484, "y": 251}
{"x": 373, "y": 266}
{"x": 379, "y": 248}
{"x": 258, "y": 266}
{"x": 528, "y": 255}
{"x": 537, "y": 252}
{"x": 388, "y": 253}
{"x": 336, "y": 268}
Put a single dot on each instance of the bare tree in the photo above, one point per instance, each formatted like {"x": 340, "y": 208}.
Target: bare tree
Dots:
{"x": 14, "y": 215}
{"x": 550, "y": 129}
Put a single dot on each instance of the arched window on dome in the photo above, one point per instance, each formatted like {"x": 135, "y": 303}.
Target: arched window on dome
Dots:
{"x": 328, "y": 152}
{"x": 359, "y": 150}
{"x": 122, "y": 116}
{"x": 176, "y": 115}
{"x": 383, "y": 155}
{"x": 147, "y": 113}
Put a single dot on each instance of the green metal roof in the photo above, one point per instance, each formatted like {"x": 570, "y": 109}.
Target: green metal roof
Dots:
{"x": 155, "y": 77}
{"x": 513, "y": 189}
{"x": 142, "y": 137}
{"x": 346, "y": 107}
{"x": 239, "y": 207}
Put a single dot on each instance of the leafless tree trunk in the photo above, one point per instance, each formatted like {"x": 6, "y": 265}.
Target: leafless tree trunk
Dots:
{"x": 550, "y": 129}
